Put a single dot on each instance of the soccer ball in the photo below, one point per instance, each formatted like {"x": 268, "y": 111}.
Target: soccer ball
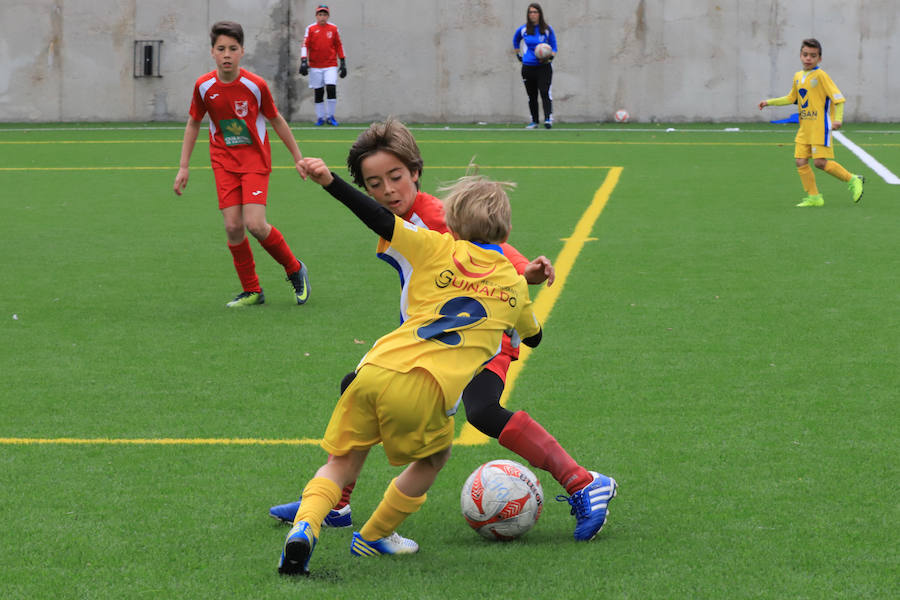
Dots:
{"x": 622, "y": 116}
{"x": 501, "y": 500}
{"x": 542, "y": 52}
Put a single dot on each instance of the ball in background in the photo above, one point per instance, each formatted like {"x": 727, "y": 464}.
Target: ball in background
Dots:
{"x": 502, "y": 500}
{"x": 622, "y": 116}
{"x": 543, "y": 51}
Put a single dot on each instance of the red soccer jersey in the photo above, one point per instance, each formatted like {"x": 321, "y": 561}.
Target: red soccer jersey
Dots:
{"x": 322, "y": 45}
{"x": 238, "y": 141}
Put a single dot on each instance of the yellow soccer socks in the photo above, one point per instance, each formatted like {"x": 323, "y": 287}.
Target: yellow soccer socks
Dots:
{"x": 836, "y": 170}
{"x": 808, "y": 179}
{"x": 391, "y": 512}
{"x": 319, "y": 497}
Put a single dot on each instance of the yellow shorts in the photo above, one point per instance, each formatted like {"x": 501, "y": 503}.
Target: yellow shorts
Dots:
{"x": 404, "y": 411}
{"x": 813, "y": 151}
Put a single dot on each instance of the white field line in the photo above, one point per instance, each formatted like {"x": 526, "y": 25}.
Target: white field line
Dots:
{"x": 868, "y": 159}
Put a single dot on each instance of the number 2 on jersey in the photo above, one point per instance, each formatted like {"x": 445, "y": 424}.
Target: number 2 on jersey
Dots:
{"x": 457, "y": 314}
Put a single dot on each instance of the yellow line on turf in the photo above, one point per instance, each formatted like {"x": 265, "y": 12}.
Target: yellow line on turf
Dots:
{"x": 469, "y": 436}
{"x": 505, "y": 142}
{"x": 284, "y": 167}
{"x": 158, "y": 441}
{"x": 546, "y": 299}
{"x": 99, "y": 168}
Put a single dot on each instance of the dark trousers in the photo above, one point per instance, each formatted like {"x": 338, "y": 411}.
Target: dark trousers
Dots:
{"x": 537, "y": 79}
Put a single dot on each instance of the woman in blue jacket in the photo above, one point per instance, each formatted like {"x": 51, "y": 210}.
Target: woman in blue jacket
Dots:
{"x": 536, "y": 74}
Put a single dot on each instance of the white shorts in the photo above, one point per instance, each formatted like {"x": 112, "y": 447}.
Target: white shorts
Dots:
{"x": 322, "y": 77}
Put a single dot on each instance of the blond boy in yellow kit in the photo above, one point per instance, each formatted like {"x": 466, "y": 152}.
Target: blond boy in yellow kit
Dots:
{"x": 821, "y": 108}
{"x": 463, "y": 293}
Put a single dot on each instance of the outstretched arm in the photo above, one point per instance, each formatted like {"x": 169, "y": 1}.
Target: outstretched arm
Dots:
{"x": 783, "y": 101}
{"x": 536, "y": 271}
{"x": 540, "y": 270}
{"x": 191, "y": 131}
{"x": 376, "y": 217}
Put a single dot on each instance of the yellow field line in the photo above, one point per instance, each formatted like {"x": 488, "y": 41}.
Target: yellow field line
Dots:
{"x": 542, "y": 142}
{"x": 285, "y": 167}
{"x": 548, "y": 296}
{"x": 159, "y": 441}
{"x": 469, "y": 436}
{"x": 348, "y": 141}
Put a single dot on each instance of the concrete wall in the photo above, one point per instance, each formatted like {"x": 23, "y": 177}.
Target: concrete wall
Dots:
{"x": 450, "y": 60}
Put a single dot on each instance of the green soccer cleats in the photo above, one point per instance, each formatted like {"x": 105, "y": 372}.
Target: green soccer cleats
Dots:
{"x": 247, "y": 299}
{"x": 816, "y": 200}
{"x": 855, "y": 185}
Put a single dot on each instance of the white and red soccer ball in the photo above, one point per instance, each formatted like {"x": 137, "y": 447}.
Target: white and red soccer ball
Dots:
{"x": 542, "y": 52}
{"x": 501, "y": 500}
{"x": 622, "y": 116}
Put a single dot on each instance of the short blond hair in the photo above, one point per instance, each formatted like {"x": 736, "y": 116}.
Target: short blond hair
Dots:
{"x": 477, "y": 209}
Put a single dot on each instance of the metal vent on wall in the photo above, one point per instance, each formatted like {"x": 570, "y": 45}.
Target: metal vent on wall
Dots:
{"x": 146, "y": 58}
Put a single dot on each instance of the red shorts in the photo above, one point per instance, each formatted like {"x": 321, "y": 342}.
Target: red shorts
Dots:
{"x": 500, "y": 363}
{"x": 237, "y": 189}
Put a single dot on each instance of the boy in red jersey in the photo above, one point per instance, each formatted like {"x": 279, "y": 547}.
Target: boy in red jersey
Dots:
{"x": 319, "y": 56}
{"x": 386, "y": 162}
{"x": 821, "y": 107}
{"x": 239, "y": 103}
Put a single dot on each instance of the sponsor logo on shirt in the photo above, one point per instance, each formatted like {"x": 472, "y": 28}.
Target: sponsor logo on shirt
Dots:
{"x": 487, "y": 289}
{"x": 235, "y": 132}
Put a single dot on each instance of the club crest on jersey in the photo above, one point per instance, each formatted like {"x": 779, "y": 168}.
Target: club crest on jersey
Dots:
{"x": 241, "y": 108}
{"x": 476, "y": 270}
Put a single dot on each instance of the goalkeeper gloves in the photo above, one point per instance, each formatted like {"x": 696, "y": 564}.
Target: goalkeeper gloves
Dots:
{"x": 519, "y": 56}
{"x": 304, "y": 67}
{"x": 342, "y": 70}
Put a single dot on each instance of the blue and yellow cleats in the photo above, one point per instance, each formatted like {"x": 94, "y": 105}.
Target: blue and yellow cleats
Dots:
{"x": 392, "y": 544}
{"x": 298, "y": 547}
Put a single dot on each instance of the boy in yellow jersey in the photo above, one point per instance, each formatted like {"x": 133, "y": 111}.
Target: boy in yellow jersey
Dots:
{"x": 462, "y": 294}
{"x": 821, "y": 107}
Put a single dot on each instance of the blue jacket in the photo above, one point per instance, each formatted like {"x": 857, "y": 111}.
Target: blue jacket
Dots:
{"x": 531, "y": 41}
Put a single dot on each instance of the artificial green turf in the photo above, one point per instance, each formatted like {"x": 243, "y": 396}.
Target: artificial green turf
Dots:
{"x": 732, "y": 360}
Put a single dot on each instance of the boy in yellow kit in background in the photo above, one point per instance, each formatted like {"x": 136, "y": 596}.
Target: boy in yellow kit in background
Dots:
{"x": 821, "y": 107}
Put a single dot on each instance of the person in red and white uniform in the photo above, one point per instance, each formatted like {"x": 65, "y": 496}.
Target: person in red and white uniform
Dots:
{"x": 320, "y": 56}
{"x": 239, "y": 103}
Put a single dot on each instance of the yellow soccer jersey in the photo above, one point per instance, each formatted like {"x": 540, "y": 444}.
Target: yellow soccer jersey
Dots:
{"x": 460, "y": 298}
{"x": 815, "y": 94}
